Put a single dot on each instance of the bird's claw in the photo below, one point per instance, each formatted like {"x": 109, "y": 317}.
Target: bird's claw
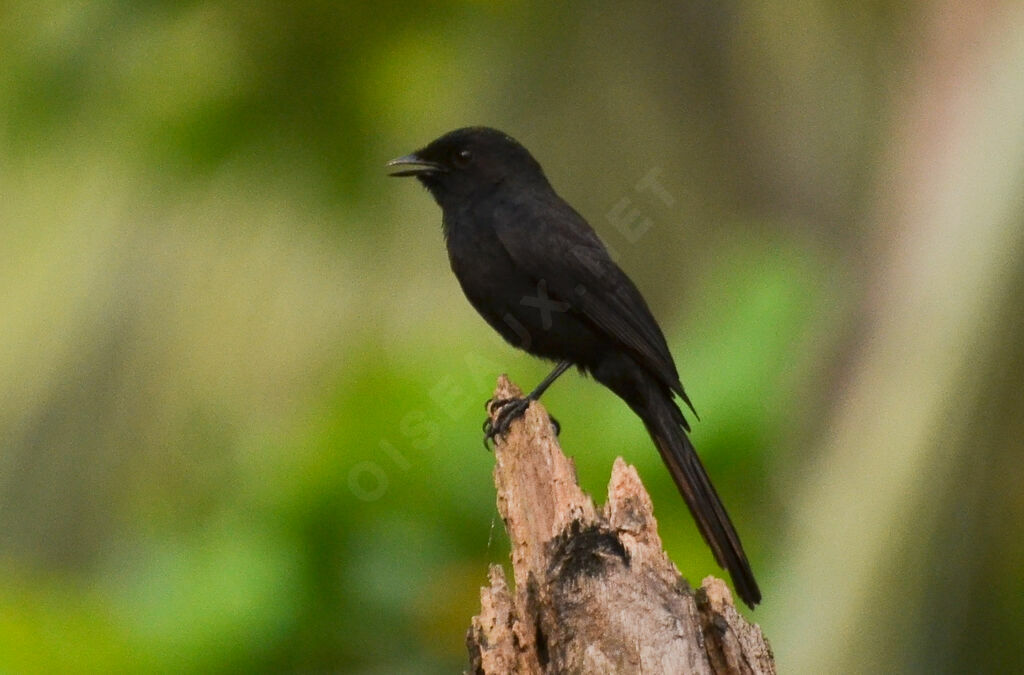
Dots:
{"x": 509, "y": 410}
{"x": 555, "y": 425}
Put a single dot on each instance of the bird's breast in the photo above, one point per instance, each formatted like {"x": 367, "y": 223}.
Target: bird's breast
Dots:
{"x": 521, "y": 308}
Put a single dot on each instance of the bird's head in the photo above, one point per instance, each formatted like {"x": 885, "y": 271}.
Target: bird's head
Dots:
{"x": 467, "y": 163}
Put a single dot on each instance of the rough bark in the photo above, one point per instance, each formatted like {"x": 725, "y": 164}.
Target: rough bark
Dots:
{"x": 594, "y": 591}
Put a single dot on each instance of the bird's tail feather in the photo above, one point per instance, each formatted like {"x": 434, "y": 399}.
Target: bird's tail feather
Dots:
{"x": 695, "y": 486}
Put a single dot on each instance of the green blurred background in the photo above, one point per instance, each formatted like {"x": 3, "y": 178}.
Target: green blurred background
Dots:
{"x": 241, "y": 392}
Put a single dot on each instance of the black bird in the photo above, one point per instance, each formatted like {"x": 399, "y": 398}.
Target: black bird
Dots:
{"x": 539, "y": 275}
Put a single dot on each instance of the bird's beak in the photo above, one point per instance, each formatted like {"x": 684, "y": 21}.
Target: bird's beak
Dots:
{"x": 416, "y": 166}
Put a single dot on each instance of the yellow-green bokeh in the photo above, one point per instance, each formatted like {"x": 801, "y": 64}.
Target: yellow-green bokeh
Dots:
{"x": 241, "y": 392}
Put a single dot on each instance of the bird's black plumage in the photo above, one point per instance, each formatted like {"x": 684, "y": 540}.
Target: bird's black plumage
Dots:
{"x": 540, "y": 276}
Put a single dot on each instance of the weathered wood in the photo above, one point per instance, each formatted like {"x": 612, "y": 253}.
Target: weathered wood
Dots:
{"x": 594, "y": 591}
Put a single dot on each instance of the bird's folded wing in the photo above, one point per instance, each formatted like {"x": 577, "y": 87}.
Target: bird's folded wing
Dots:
{"x": 560, "y": 248}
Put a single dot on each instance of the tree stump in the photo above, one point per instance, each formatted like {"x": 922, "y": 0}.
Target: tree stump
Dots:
{"x": 594, "y": 591}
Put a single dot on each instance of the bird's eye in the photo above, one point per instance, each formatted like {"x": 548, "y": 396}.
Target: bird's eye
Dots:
{"x": 462, "y": 158}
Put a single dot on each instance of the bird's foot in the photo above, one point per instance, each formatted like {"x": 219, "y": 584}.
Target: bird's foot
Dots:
{"x": 509, "y": 410}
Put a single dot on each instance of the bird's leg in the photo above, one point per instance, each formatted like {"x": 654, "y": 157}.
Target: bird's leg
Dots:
{"x": 513, "y": 408}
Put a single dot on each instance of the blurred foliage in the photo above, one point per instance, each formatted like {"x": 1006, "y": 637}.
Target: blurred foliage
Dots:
{"x": 241, "y": 393}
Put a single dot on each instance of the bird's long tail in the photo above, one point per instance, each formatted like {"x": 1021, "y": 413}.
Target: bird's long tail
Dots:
{"x": 664, "y": 424}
